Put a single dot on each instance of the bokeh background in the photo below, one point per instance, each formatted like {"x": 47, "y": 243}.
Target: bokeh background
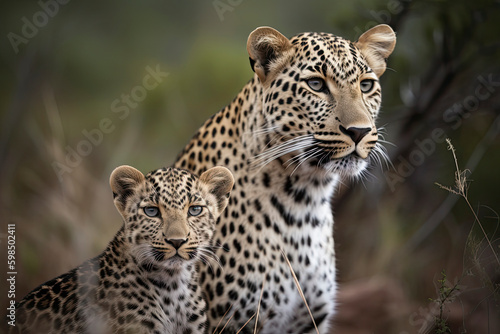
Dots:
{"x": 408, "y": 252}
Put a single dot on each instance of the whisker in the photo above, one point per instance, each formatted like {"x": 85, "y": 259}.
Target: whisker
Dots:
{"x": 286, "y": 144}
{"x": 386, "y": 142}
{"x": 380, "y": 153}
{"x": 293, "y": 140}
{"x": 325, "y": 156}
{"x": 208, "y": 256}
{"x": 285, "y": 147}
{"x": 299, "y": 157}
{"x": 307, "y": 156}
{"x": 261, "y": 131}
{"x": 366, "y": 175}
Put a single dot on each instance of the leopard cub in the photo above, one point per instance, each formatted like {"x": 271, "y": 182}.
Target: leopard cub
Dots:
{"x": 146, "y": 280}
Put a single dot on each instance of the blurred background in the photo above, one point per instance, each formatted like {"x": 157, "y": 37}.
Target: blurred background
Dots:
{"x": 88, "y": 86}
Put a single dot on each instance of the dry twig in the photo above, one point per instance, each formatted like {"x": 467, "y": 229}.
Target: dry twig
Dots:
{"x": 461, "y": 187}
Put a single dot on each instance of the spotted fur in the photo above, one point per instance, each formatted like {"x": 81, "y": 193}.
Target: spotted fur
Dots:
{"x": 146, "y": 281}
{"x": 306, "y": 119}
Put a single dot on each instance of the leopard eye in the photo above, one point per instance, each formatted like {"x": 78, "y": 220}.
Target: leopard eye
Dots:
{"x": 195, "y": 210}
{"x": 366, "y": 85}
{"x": 316, "y": 84}
{"x": 152, "y": 211}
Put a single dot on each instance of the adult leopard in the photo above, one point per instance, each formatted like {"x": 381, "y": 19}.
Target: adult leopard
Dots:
{"x": 306, "y": 119}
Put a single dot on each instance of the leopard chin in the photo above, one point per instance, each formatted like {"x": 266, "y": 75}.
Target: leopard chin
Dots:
{"x": 349, "y": 166}
{"x": 176, "y": 260}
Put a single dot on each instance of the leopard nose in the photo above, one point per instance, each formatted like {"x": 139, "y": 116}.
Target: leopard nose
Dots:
{"x": 356, "y": 134}
{"x": 177, "y": 243}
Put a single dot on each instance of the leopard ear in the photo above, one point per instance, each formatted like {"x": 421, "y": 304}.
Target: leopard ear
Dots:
{"x": 123, "y": 180}
{"x": 220, "y": 182}
{"x": 268, "y": 50}
{"x": 377, "y": 45}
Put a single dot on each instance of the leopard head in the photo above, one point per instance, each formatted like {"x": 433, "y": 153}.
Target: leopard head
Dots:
{"x": 170, "y": 214}
{"x": 321, "y": 97}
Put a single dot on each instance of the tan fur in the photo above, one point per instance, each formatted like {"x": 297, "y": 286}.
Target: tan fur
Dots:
{"x": 146, "y": 280}
{"x": 269, "y": 49}
{"x": 377, "y": 44}
{"x": 288, "y": 144}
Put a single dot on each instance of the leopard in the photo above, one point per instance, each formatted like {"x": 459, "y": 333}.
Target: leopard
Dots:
{"x": 302, "y": 125}
{"x": 146, "y": 280}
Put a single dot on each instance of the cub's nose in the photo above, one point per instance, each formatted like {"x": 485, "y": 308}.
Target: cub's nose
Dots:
{"x": 177, "y": 243}
{"x": 356, "y": 134}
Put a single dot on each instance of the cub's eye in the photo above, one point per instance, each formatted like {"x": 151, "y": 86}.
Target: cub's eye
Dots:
{"x": 316, "y": 84}
{"x": 195, "y": 210}
{"x": 152, "y": 211}
{"x": 366, "y": 85}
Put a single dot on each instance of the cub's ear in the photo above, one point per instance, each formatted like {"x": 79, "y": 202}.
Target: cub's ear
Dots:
{"x": 123, "y": 181}
{"x": 268, "y": 50}
{"x": 377, "y": 45}
{"x": 220, "y": 182}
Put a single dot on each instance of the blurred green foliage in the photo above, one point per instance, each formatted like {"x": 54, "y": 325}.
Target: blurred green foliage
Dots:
{"x": 65, "y": 79}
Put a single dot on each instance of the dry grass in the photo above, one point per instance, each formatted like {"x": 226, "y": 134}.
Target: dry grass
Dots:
{"x": 297, "y": 284}
{"x": 220, "y": 321}
{"x": 448, "y": 292}
{"x": 460, "y": 188}
{"x": 246, "y": 323}
{"x": 256, "y": 314}
{"x": 258, "y": 308}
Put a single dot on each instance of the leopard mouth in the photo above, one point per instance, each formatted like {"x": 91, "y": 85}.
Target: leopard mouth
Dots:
{"x": 336, "y": 150}
{"x": 321, "y": 153}
{"x": 349, "y": 164}
{"x": 328, "y": 157}
{"x": 158, "y": 254}
{"x": 339, "y": 149}
{"x": 169, "y": 255}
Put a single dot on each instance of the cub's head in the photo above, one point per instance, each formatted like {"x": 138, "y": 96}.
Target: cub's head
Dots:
{"x": 170, "y": 214}
{"x": 321, "y": 97}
